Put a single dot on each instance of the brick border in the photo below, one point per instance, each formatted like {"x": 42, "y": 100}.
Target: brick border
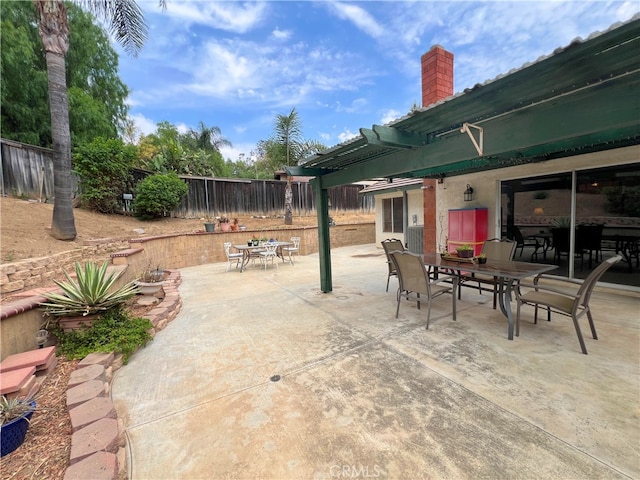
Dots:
{"x": 91, "y": 409}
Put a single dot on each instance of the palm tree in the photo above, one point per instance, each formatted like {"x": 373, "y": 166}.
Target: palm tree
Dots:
{"x": 288, "y": 133}
{"x": 126, "y": 22}
{"x": 209, "y": 138}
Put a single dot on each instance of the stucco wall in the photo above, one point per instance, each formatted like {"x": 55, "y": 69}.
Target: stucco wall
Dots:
{"x": 486, "y": 184}
{"x": 414, "y": 207}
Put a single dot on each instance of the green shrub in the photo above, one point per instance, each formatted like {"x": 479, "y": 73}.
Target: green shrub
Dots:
{"x": 157, "y": 195}
{"x": 115, "y": 331}
{"x": 104, "y": 168}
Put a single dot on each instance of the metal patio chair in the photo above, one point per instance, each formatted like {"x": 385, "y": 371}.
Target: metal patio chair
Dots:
{"x": 391, "y": 245}
{"x": 565, "y": 300}
{"x": 414, "y": 281}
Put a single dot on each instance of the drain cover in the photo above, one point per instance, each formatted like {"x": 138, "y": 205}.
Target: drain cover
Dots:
{"x": 275, "y": 378}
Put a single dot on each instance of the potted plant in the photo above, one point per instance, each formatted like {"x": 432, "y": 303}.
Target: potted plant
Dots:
{"x": 15, "y": 415}
{"x": 255, "y": 240}
{"x": 150, "y": 280}
{"x": 224, "y": 224}
{"x": 235, "y": 225}
{"x": 90, "y": 293}
{"x": 209, "y": 225}
{"x": 465, "y": 251}
{"x": 482, "y": 258}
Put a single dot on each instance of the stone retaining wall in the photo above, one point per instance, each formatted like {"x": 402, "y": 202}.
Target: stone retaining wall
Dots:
{"x": 37, "y": 272}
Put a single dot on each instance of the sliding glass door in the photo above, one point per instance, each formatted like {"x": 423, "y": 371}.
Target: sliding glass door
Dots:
{"x": 577, "y": 219}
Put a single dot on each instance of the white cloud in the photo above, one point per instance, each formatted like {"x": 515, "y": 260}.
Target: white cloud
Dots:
{"x": 281, "y": 34}
{"x": 358, "y": 16}
{"x": 390, "y": 115}
{"x": 238, "y": 17}
{"x": 347, "y": 135}
{"x": 143, "y": 124}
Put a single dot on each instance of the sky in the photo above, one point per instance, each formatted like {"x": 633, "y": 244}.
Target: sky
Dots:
{"x": 342, "y": 65}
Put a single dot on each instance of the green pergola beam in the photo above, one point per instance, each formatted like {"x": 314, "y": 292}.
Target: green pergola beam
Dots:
{"x": 548, "y": 127}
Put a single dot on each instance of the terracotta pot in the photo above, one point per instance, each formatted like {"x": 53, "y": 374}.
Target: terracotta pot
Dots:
{"x": 225, "y": 227}
{"x": 76, "y": 323}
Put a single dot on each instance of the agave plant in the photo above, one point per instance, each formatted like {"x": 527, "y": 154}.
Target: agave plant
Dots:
{"x": 90, "y": 293}
{"x": 12, "y": 408}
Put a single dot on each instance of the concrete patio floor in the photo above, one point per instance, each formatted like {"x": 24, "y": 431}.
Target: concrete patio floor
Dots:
{"x": 364, "y": 395}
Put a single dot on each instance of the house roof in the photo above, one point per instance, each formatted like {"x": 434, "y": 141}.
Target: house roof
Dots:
{"x": 581, "y": 98}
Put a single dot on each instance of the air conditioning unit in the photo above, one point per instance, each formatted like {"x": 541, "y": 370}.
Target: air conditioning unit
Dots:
{"x": 415, "y": 239}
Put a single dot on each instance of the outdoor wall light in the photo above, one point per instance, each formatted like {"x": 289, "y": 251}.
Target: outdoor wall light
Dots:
{"x": 468, "y": 193}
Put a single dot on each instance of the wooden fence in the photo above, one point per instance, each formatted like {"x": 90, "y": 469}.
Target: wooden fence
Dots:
{"x": 28, "y": 171}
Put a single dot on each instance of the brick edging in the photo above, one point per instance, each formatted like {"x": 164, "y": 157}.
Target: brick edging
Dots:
{"x": 91, "y": 407}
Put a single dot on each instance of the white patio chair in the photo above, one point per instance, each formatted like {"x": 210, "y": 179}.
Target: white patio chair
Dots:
{"x": 231, "y": 257}
{"x": 269, "y": 254}
{"x": 290, "y": 250}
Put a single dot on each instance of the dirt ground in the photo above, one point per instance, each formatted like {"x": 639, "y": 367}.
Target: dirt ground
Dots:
{"x": 25, "y": 226}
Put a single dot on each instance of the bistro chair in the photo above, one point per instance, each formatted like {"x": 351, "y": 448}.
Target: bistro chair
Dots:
{"x": 269, "y": 254}
{"x": 566, "y": 301}
{"x": 231, "y": 257}
{"x": 414, "y": 281}
{"x": 290, "y": 250}
{"x": 494, "y": 249}
{"x": 391, "y": 245}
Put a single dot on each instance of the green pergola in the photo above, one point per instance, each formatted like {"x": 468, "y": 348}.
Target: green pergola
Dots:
{"x": 582, "y": 98}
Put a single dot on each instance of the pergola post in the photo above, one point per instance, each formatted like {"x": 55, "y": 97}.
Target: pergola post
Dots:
{"x": 324, "y": 241}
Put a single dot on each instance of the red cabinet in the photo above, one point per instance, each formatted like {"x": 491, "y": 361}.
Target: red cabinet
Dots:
{"x": 468, "y": 226}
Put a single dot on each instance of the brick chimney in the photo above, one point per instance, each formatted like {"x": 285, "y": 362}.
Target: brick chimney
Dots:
{"x": 437, "y": 75}
{"x": 437, "y": 84}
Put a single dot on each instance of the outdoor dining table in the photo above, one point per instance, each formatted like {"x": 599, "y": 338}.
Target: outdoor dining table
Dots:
{"x": 248, "y": 249}
{"x": 507, "y": 273}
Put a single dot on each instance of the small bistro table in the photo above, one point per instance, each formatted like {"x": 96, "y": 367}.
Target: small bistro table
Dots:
{"x": 247, "y": 250}
{"x": 507, "y": 272}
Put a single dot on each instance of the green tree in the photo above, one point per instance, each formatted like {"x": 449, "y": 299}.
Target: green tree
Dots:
{"x": 96, "y": 94}
{"x": 126, "y": 22}
{"x": 104, "y": 168}
{"x": 25, "y": 113}
{"x": 158, "y": 194}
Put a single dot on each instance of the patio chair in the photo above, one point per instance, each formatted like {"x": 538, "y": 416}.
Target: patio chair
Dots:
{"x": 414, "y": 281}
{"x": 292, "y": 249}
{"x": 231, "y": 257}
{"x": 391, "y": 245}
{"x": 494, "y": 249}
{"x": 269, "y": 254}
{"x": 570, "y": 302}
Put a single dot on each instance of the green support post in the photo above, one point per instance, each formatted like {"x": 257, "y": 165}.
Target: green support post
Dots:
{"x": 324, "y": 241}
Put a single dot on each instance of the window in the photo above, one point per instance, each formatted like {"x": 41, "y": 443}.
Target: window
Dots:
{"x": 392, "y": 209}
